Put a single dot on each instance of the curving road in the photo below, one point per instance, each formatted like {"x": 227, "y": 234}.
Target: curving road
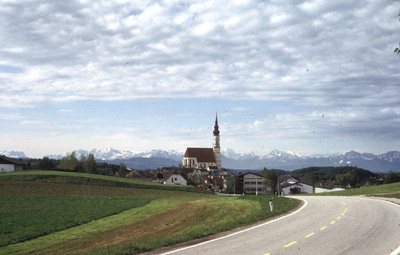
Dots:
{"x": 324, "y": 225}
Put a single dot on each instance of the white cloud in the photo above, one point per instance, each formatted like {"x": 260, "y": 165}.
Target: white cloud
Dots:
{"x": 316, "y": 55}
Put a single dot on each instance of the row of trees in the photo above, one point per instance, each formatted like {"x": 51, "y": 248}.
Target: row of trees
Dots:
{"x": 88, "y": 165}
{"x": 84, "y": 165}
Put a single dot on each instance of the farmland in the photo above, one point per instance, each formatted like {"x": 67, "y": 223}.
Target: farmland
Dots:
{"x": 55, "y": 212}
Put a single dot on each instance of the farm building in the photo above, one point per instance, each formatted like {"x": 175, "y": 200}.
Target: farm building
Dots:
{"x": 10, "y": 164}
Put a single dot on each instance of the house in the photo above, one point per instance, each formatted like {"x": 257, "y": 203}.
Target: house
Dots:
{"x": 10, "y": 164}
{"x": 291, "y": 185}
{"x": 252, "y": 183}
{"x": 205, "y": 158}
{"x": 212, "y": 182}
{"x": 174, "y": 178}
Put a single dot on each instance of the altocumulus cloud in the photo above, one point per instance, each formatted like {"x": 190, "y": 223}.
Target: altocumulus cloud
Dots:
{"x": 327, "y": 57}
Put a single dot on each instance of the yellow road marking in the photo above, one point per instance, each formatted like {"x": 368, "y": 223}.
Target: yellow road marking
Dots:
{"x": 338, "y": 217}
{"x": 343, "y": 203}
{"x": 333, "y": 222}
{"x": 267, "y": 254}
{"x": 287, "y": 245}
{"x": 346, "y": 209}
{"x": 342, "y": 214}
{"x": 323, "y": 228}
{"x": 310, "y": 235}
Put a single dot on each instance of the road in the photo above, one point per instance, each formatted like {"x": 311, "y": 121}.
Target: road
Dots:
{"x": 324, "y": 225}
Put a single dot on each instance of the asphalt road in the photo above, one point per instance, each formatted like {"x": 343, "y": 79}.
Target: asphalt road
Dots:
{"x": 324, "y": 225}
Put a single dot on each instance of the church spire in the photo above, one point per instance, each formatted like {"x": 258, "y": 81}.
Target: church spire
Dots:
{"x": 216, "y": 130}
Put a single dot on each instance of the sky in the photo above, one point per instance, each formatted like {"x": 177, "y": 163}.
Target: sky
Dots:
{"x": 313, "y": 77}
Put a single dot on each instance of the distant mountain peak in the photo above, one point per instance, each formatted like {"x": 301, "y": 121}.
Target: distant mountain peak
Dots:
{"x": 13, "y": 154}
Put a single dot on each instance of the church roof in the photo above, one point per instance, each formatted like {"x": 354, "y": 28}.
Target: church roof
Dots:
{"x": 202, "y": 154}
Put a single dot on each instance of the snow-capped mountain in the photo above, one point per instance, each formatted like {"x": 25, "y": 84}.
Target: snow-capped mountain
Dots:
{"x": 276, "y": 159}
{"x": 172, "y": 154}
{"x": 13, "y": 154}
{"x": 100, "y": 154}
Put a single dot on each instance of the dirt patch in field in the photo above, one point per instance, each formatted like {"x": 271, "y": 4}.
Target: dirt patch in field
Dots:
{"x": 56, "y": 189}
{"x": 169, "y": 223}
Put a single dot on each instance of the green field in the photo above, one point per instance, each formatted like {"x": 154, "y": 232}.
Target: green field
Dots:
{"x": 48, "y": 212}
{"x": 386, "y": 190}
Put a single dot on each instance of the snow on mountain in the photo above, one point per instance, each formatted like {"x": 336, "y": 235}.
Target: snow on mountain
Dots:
{"x": 13, "y": 154}
{"x": 172, "y": 154}
{"x": 276, "y": 159}
{"x": 111, "y": 154}
{"x": 390, "y": 156}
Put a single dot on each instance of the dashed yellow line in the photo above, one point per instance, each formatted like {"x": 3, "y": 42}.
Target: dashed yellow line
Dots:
{"x": 287, "y": 245}
{"x": 311, "y": 234}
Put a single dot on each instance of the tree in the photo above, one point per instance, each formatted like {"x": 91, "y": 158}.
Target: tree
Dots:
{"x": 392, "y": 177}
{"x": 232, "y": 185}
{"x": 69, "y": 162}
{"x": 134, "y": 174}
{"x": 81, "y": 164}
{"x": 122, "y": 171}
{"x": 266, "y": 174}
{"x": 195, "y": 178}
{"x": 273, "y": 179}
{"x": 46, "y": 163}
{"x": 90, "y": 164}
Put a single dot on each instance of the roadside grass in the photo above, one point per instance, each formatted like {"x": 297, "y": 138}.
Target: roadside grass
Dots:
{"x": 222, "y": 214}
{"x": 148, "y": 218}
{"x": 386, "y": 190}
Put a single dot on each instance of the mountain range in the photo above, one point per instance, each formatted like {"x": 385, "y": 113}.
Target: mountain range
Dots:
{"x": 276, "y": 159}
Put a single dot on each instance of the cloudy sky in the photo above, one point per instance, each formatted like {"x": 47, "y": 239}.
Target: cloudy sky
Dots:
{"x": 312, "y": 77}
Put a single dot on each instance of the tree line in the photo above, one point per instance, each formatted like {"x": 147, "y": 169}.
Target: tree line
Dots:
{"x": 85, "y": 164}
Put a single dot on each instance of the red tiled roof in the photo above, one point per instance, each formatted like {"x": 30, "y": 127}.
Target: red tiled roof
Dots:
{"x": 202, "y": 154}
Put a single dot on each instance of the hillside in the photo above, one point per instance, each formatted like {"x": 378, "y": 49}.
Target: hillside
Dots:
{"x": 63, "y": 212}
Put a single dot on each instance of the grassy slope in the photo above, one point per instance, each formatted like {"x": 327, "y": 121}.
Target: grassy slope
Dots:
{"x": 387, "y": 190}
{"x": 172, "y": 215}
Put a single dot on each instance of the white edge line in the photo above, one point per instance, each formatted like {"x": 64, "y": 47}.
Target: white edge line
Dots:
{"x": 242, "y": 231}
{"x": 397, "y": 251}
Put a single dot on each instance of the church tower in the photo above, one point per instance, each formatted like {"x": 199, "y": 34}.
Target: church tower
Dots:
{"x": 216, "y": 144}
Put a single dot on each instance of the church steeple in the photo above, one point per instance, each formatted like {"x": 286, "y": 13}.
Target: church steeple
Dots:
{"x": 216, "y": 145}
{"x": 216, "y": 131}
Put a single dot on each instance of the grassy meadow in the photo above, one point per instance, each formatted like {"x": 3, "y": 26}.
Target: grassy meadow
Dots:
{"x": 386, "y": 190}
{"x": 45, "y": 212}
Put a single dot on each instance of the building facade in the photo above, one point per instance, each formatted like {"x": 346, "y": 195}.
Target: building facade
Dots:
{"x": 252, "y": 183}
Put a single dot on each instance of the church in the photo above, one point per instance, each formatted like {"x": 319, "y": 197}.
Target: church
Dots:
{"x": 205, "y": 158}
